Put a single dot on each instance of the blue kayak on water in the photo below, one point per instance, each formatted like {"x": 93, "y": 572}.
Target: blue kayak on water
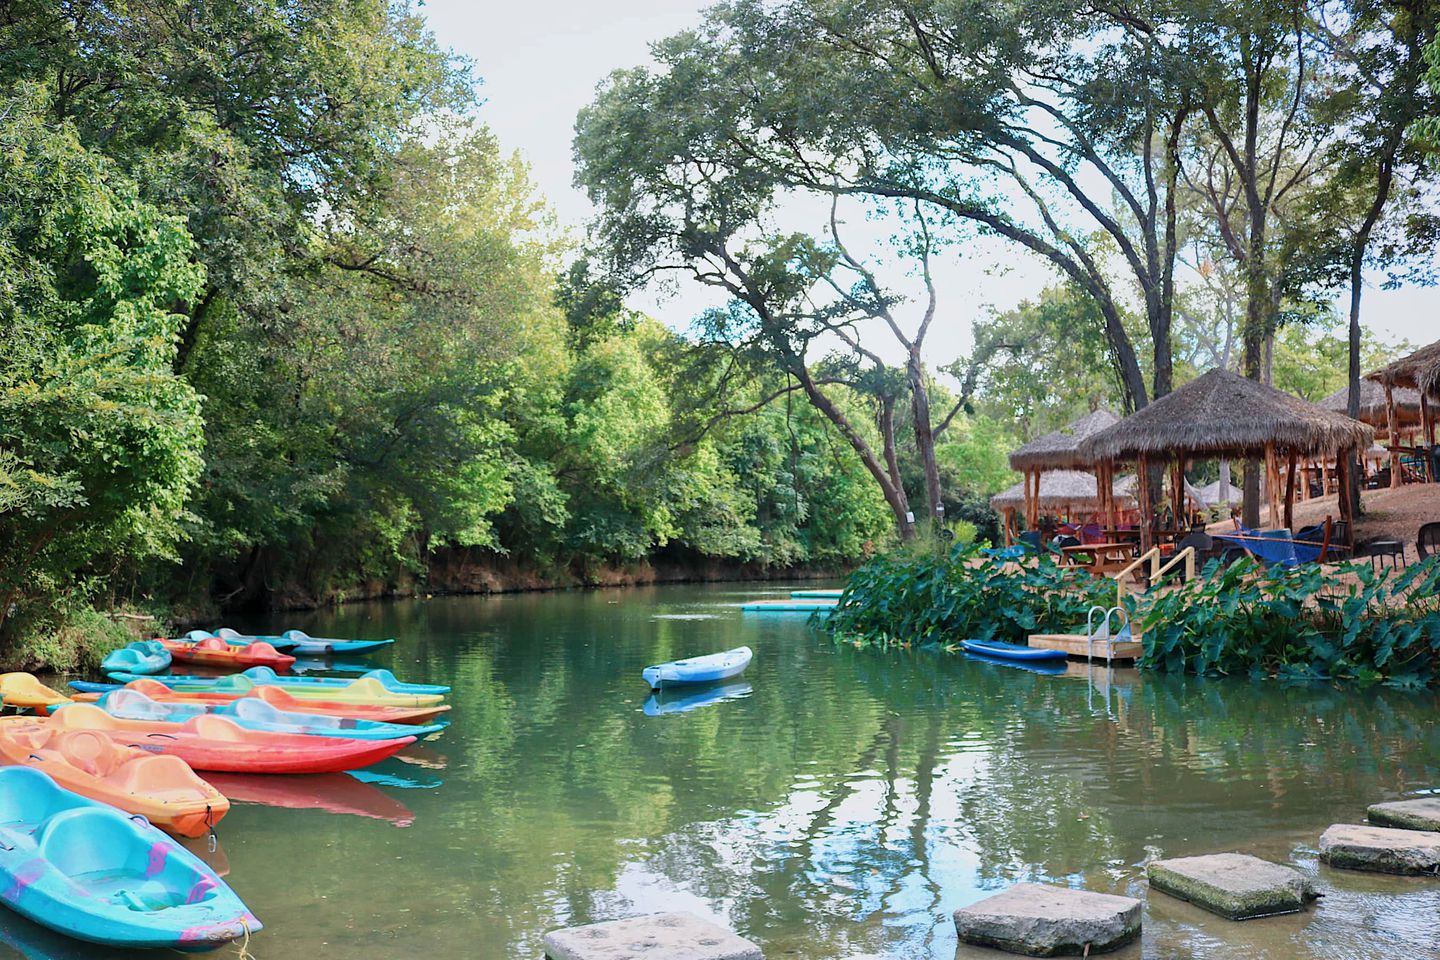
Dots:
{"x": 87, "y": 870}
{"x": 255, "y": 714}
{"x": 1010, "y": 651}
{"x": 266, "y": 677}
{"x": 708, "y": 669}
{"x": 142, "y": 656}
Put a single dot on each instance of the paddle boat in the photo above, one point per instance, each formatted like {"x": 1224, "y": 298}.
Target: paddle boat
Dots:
{"x": 659, "y": 705}
{"x": 214, "y": 652}
{"x": 86, "y": 870}
{"x": 360, "y": 690}
{"x": 209, "y": 742}
{"x": 23, "y": 690}
{"x": 302, "y": 644}
{"x": 708, "y": 669}
{"x": 788, "y": 606}
{"x": 255, "y": 714}
{"x": 1010, "y": 651}
{"x": 332, "y": 792}
{"x": 264, "y": 676}
{"x": 815, "y": 594}
{"x": 164, "y": 790}
{"x": 278, "y": 698}
{"x": 142, "y": 656}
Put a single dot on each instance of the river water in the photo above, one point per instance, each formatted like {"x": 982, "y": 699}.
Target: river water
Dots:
{"x": 843, "y": 802}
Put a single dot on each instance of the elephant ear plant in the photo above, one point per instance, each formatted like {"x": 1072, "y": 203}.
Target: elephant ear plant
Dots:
{"x": 1309, "y": 622}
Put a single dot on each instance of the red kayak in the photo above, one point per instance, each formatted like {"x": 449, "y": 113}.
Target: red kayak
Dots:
{"x": 282, "y": 700}
{"x": 215, "y": 652}
{"x": 217, "y": 743}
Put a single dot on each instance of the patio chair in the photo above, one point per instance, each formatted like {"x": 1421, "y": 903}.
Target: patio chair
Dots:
{"x": 1383, "y": 553}
{"x": 1427, "y": 541}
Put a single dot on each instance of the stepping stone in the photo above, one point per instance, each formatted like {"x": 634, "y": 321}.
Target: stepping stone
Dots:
{"x": 658, "y": 936}
{"x": 1038, "y": 920}
{"x": 1421, "y": 814}
{"x": 1235, "y": 885}
{"x": 1381, "y": 849}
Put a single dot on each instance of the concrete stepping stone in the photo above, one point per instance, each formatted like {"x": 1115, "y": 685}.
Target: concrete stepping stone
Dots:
{"x": 1235, "y": 885}
{"x": 657, "y": 936}
{"x": 1419, "y": 814}
{"x": 1039, "y": 920}
{"x": 1381, "y": 849}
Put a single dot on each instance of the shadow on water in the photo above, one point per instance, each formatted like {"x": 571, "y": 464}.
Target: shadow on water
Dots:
{"x": 845, "y": 806}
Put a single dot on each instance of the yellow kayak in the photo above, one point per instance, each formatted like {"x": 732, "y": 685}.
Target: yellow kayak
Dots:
{"x": 23, "y": 690}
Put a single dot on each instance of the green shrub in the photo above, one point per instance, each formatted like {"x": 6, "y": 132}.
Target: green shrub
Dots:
{"x": 69, "y": 639}
{"x": 908, "y": 596}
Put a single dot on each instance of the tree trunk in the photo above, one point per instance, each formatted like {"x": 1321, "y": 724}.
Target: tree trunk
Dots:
{"x": 924, "y": 436}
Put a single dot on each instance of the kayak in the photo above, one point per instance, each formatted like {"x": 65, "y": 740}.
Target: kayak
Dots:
{"x": 23, "y": 690}
{"x": 331, "y": 792}
{"x": 815, "y": 594}
{"x": 214, "y": 652}
{"x": 284, "y": 700}
{"x": 788, "y": 606}
{"x": 659, "y": 705}
{"x": 361, "y": 690}
{"x": 88, "y": 871}
{"x": 255, "y": 714}
{"x": 303, "y": 645}
{"x": 142, "y": 656}
{"x": 708, "y": 669}
{"x": 164, "y": 790}
{"x": 264, "y": 676}
{"x": 1010, "y": 651}
{"x": 218, "y": 743}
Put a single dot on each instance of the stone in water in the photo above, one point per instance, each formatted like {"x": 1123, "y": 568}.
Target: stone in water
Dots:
{"x": 1038, "y": 920}
{"x": 1419, "y": 814}
{"x": 1235, "y": 885}
{"x": 1381, "y": 849}
{"x": 658, "y": 936}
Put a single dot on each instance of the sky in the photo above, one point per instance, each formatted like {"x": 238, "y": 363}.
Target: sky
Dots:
{"x": 540, "y": 61}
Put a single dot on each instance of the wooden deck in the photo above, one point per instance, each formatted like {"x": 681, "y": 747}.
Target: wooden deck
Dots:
{"x": 1074, "y": 645}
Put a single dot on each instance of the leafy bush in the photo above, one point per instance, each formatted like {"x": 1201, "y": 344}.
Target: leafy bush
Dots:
{"x": 1300, "y": 623}
{"x": 908, "y": 596}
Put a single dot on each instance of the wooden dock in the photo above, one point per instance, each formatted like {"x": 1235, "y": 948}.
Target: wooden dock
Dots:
{"x": 1074, "y": 645}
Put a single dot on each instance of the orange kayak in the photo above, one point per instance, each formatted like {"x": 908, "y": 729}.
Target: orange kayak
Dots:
{"x": 283, "y": 700}
{"x": 209, "y": 742}
{"x": 215, "y": 652}
{"x": 164, "y": 790}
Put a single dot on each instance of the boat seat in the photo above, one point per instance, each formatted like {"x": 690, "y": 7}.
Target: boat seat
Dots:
{"x": 85, "y": 716}
{"x": 213, "y": 727}
{"x": 261, "y": 648}
{"x": 166, "y": 777}
{"x": 89, "y": 750}
{"x": 212, "y": 643}
{"x": 92, "y": 840}
{"x": 134, "y": 705}
{"x": 28, "y": 798}
{"x": 258, "y": 711}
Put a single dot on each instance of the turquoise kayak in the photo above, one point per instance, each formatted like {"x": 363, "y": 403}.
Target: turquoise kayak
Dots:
{"x": 301, "y": 644}
{"x": 707, "y": 669}
{"x": 255, "y": 714}
{"x": 815, "y": 594}
{"x": 142, "y": 657}
{"x": 87, "y": 870}
{"x": 788, "y": 606}
{"x": 266, "y": 677}
{"x": 1010, "y": 651}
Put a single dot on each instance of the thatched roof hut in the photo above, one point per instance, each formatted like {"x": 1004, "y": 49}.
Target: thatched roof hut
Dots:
{"x": 1420, "y": 370}
{"x": 1222, "y": 414}
{"x": 1372, "y": 404}
{"x": 1061, "y": 490}
{"x": 1127, "y": 486}
{"x": 1060, "y": 449}
{"x": 1212, "y": 495}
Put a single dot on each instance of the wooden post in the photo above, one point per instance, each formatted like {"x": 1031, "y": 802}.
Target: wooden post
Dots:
{"x": 1290, "y": 494}
{"x": 1342, "y": 471}
{"x": 1397, "y": 474}
{"x": 1427, "y": 428}
{"x": 1305, "y": 482}
{"x": 1272, "y": 484}
{"x": 1142, "y": 494}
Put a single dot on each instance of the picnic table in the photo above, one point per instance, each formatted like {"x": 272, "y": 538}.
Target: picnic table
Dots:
{"x": 1100, "y": 558}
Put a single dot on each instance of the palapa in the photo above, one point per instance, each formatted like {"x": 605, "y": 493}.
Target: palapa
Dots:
{"x": 1060, "y": 449}
{"x": 1061, "y": 489}
{"x": 1372, "y": 403}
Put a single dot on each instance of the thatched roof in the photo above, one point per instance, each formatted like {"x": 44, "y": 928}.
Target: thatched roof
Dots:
{"x": 1224, "y": 414}
{"x": 1420, "y": 370}
{"x": 1060, "y": 449}
{"x": 1211, "y": 494}
{"x": 1060, "y": 489}
{"x": 1372, "y": 403}
{"x": 1126, "y": 485}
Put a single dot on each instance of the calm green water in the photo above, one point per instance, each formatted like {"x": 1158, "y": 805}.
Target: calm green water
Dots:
{"x": 843, "y": 807}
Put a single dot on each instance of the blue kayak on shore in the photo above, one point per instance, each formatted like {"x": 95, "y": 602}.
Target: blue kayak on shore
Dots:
{"x": 708, "y": 669}
{"x": 1010, "y": 651}
{"x": 87, "y": 870}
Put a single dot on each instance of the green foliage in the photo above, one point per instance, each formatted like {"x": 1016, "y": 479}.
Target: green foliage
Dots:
{"x": 915, "y": 596}
{"x": 1297, "y": 623}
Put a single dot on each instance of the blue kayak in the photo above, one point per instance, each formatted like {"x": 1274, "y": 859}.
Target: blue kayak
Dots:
{"x": 255, "y": 714}
{"x": 708, "y": 669}
{"x": 142, "y": 656}
{"x": 658, "y": 704}
{"x": 815, "y": 594}
{"x": 89, "y": 871}
{"x": 788, "y": 606}
{"x": 266, "y": 677}
{"x": 301, "y": 644}
{"x": 1010, "y": 651}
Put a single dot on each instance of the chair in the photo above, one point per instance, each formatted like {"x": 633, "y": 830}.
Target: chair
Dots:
{"x": 1427, "y": 541}
{"x": 1031, "y": 540}
{"x": 1383, "y": 553}
{"x": 1202, "y": 542}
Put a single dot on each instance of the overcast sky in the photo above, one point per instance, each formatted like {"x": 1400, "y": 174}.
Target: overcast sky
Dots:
{"x": 541, "y": 59}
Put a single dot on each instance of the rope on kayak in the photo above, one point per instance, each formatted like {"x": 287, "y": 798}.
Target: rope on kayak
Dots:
{"x": 211, "y": 841}
{"x": 244, "y": 945}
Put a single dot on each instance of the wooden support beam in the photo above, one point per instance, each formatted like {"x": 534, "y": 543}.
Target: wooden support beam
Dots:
{"x": 1290, "y": 494}
{"x": 1397, "y": 473}
{"x": 1142, "y": 494}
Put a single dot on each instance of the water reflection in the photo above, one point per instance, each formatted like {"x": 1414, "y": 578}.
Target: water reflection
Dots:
{"x": 335, "y": 793}
{"x": 683, "y": 700}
